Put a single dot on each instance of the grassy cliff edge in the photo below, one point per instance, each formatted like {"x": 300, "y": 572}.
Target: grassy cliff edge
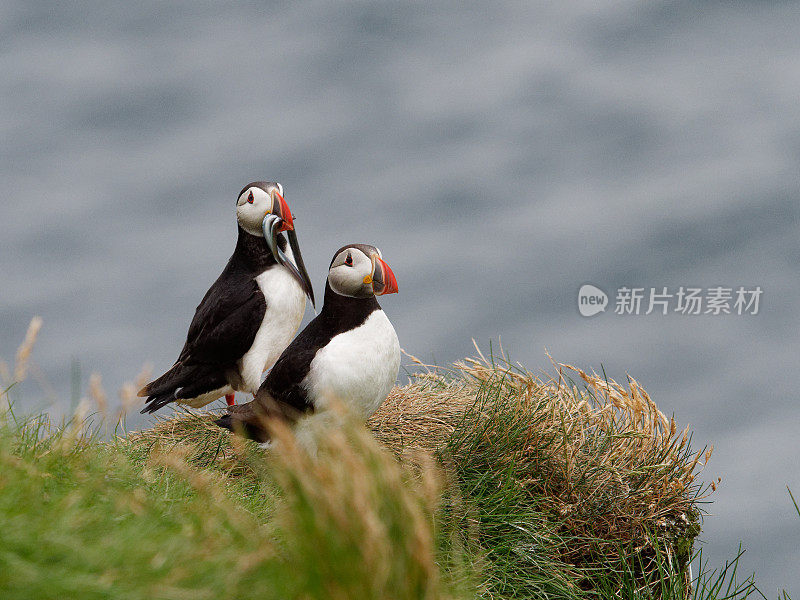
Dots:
{"x": 476, "y": 481}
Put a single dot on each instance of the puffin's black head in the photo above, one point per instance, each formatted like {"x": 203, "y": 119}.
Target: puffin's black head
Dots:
{"x": 259, "y": 199}
{"x": 359, "y": 271}
{"x": 262, "y": 211}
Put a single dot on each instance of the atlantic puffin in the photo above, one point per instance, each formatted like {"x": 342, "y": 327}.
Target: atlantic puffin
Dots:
{"x": 250, "y": 313}
{"x": 347, "y": 356}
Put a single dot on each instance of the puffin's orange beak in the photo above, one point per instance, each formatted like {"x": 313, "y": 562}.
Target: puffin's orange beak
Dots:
{"x": 281, "y": 209}
{"x": 383, "y": 279}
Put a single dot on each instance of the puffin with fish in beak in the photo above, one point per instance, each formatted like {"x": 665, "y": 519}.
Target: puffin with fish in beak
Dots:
{"x": 348, "y": 356}
{"x": 250, "y": 313}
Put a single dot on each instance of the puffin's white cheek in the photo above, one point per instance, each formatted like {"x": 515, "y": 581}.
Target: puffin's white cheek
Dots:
{"x": 249, "y": 219}
{"x": 340, "y": 281}
{"x": 241, "y": 216}
{"x": 349, "y": 281}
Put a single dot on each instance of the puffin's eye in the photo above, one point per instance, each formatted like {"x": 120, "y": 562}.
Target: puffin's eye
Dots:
{"x": 349, "y": 260}
{"x": 250, "y": 197}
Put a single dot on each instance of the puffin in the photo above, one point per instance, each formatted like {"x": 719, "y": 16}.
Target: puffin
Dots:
{"x": 349, "y": 355}
{"x": 249, "y": 314}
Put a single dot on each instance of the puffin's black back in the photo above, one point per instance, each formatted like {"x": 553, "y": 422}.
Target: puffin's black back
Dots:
{"x": 223, "y": 328}
{"x": 235, "y": 287}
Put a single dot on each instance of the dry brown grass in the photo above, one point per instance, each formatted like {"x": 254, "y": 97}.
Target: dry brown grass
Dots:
{"x": 598, "y": 456}
{"x": 379, "y": 512}
{"x": 198, "y": 438}
{"x": 23, "y": 356}
{"x": 422, "y": 414}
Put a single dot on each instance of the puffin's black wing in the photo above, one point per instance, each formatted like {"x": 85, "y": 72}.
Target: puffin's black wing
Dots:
{"x": 339, "y": 314}
{"x": 283, "y": 383}
{"x": 223, "y": 329}
{"x": 226, "y": 322}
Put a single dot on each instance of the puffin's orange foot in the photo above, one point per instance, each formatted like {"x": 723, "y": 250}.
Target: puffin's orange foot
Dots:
{"x": 229, "y": 398}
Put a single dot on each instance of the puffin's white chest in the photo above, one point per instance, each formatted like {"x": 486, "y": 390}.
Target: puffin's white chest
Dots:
{"x": 357, "y": 368}
{"x": 286, "y": 304}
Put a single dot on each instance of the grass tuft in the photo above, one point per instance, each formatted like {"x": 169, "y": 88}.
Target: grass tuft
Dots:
{"x": 567, "y": 478}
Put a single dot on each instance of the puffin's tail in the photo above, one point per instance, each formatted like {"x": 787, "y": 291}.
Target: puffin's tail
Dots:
{"x": 156, "y": 402}
{"x": 167, "y": 383}
{"x": 180, "y": 383}
{"x": 225, "y": 421}
{"x": 161, "y": 391}
{"x": 252, "y": 418}
{"x": 254, "y": 432}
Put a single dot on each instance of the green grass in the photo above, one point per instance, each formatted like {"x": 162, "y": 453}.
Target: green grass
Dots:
{"x": 479, "y": 482}
{"x": 85, "y": 519}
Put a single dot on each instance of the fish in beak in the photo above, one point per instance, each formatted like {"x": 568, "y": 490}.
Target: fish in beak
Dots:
{"x": 272, "y": 225}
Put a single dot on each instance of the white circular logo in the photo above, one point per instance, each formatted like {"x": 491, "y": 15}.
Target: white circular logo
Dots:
{"x": 591, "y": 300}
